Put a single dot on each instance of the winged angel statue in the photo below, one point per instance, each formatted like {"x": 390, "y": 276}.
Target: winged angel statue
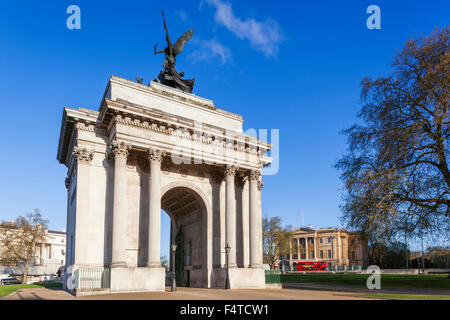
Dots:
{"x": 170, "y": 76}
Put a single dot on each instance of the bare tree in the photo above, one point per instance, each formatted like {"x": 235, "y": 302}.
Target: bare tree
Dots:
{"x": 276, "y": 240}
{"x": 396, "y": 170}
{"x": 18, "y": 240}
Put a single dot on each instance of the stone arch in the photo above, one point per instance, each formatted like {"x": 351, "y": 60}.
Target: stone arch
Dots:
{"x": 206, "y": 222}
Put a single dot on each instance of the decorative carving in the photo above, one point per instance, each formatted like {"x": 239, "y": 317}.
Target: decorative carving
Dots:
{"x": 83, "y": 154}
{"x": 67, "y": 183}
{"x": 230, "y": 170}
{"x": 254, "y": 175}
{"x": 260, "y": 185}
{"x": 155, "y": 155}
{"x": 120, "y": 148}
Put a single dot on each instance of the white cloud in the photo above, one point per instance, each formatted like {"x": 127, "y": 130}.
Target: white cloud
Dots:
{"x": 209, "y": 49}
{"x": 264, "y": 36}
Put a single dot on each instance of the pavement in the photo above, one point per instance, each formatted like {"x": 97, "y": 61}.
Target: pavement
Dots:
{"x": 358, "y": 289}
{"x": 190, "y": 294}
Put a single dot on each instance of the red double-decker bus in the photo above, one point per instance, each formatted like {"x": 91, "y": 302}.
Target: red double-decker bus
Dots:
{"x": 312, "y": 266}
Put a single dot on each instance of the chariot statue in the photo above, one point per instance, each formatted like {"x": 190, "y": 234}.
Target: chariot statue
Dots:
{"x": 169, "y": 76}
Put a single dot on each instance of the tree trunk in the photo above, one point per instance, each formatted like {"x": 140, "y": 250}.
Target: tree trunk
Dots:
{"x": 25, "y": 274}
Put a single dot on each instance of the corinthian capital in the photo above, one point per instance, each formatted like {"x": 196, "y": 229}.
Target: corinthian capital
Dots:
{"x": 155, "y": 155}
{"x": 120, "y": 148}
{"x": 83, "y": 154}
{"x": 254, "y": 175}
{"x": 230, "y": 170}
{"x": 260, "y": 185}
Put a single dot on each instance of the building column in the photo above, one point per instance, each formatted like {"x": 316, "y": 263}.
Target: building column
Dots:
{"x": 255, "y": 259}
{"x": 155, "y": 158}
{"x": 306, "y": 248}
{"x": 298, "y": 249}
{"x": 41, "y": 254}
{"x": 83, "y": 158}
{"x": 315, "y": 246}
{"x": 339, "y": 249}
{"x": 230, "y": 213}
{"x": 120, "y": 214}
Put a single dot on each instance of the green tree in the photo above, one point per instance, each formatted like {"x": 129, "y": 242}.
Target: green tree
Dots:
{"x": 18, "y": 240}
{"x": 396, "y": 172}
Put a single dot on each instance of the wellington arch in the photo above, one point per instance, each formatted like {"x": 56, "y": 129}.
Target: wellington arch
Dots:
{"x": 150, "y": 148}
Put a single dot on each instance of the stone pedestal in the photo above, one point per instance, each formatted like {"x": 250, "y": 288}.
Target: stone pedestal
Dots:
{"x": 137, "y": 279}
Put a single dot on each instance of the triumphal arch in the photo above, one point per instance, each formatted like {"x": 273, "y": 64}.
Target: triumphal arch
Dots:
{"x": 150, "y": 148}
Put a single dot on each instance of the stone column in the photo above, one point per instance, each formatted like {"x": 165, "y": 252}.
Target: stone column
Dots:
{"x": 298, "y": 249}
{"x": 315, "y": 246}
{"x": 41, "y": 254}
{"x": 230, "y": 214}
{"x": 155, "y": 158}
{"x": 83, "y": 158}
{"x": 306, "y": 248}
{"x": 338, "y": 244}
{"x": 254, "y": 225}
{"x": 120, "y": 214}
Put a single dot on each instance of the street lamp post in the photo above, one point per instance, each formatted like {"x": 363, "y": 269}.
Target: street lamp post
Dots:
{"x": 174, "y": 283}
{"x": 227, "y": 280}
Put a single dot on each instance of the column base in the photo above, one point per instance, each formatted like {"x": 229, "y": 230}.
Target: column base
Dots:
{"x": 154, "y": 265}
{"x": 119, "y": 264}
{"x": 138, "y": 279}
{"x": 256, "y": 266}
{"x": 240, "y": 278}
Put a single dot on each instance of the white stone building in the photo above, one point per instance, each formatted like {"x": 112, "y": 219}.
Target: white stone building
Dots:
{"x": 152, "y": 147}
{"x": 48, "y": 257}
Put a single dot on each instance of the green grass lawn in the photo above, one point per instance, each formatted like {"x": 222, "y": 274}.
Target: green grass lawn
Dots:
{"x": 8, "y": 289}
{"x": 432, "y": 281}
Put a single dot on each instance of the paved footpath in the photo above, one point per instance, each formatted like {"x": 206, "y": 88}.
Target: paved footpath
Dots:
{"x": 190, "y": 294}
{"x": 361, "y": 289}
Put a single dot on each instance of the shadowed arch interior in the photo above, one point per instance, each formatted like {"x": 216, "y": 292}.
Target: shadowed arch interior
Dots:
{"x": 181, "y": 201}
{"x": 187, "y": 211}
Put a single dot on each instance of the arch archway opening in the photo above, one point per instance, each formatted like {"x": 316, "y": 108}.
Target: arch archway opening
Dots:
{"x": 187, "y": 213}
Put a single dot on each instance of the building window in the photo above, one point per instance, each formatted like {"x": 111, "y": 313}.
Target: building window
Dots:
{"x": 329, "y": 254}
{"x": 321, "y": 254}
{"x": 329, "y": 239}
{"x": 312, "y": 254}
{"x": 353, "y": 255}
{"x": 321, "y": 240}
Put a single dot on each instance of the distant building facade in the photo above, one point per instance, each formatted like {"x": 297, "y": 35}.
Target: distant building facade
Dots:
{"x": 336, "y": 246}
{"x": 48, "y": 257}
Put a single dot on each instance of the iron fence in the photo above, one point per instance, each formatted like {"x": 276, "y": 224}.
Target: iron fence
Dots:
{"x": 93, "y": 278}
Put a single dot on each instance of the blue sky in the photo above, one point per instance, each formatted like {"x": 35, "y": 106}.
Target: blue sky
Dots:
{"x": 295, "y": 66}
